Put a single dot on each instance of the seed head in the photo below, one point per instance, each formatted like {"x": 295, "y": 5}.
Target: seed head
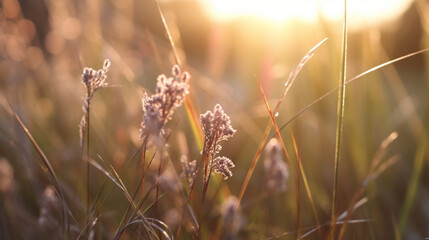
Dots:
{"x": 159, "y": 108}
{"x": 275, "y": 168}
{"x": 217, "y": 127}
{"x": 93, "y": 80}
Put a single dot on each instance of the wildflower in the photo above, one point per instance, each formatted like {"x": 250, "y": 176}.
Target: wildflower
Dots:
{"x": 275, "y": 168}
{"x": 159, "y": 108}
{"x": 93, "y": 80}
{"x": 217, "y": 127}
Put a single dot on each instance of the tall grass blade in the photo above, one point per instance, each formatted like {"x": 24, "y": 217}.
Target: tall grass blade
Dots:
{"x": 287, "y": 86}
{"x": 114, "y": 180}
{"x": 195, "y": 124}
{"x": 377, "y": 167}
{"x": 299, "y": 168}
{"x": 354, "y": 221}
{"x": 340, "y": 117}
{"x": 47, "y": 168}
{"x": 349, "y": 81}
{"x": 298, "y": 187}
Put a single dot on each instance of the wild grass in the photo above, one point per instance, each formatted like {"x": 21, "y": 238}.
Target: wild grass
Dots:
{"x": 206, "y": 119}
{"x": 340, "y": 117}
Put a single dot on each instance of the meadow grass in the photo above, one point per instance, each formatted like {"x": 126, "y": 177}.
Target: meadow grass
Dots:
{"x": 173, "y": 150}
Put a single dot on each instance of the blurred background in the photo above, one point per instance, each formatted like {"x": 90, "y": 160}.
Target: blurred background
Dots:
{"x": 227, "y": 46}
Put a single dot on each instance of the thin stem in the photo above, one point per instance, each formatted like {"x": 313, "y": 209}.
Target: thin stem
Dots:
{"x": 88, "y": 188}
{"x": 190, "y": 194}
{"x": 340, "y": 117}
{"x": 157, "y": 185}
{"x": 203, "y": 197}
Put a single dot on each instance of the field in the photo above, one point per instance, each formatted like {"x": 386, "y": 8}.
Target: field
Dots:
{"x": 152, "y": 120}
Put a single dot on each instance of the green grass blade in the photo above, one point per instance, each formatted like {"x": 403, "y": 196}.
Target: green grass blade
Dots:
{"x": 340, "y": 117}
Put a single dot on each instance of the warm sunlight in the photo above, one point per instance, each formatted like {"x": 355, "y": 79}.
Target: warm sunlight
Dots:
{"x": 361, "y": 12}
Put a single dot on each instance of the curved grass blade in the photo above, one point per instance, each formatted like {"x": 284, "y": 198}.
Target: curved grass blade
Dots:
{"x": 195, "y": 124}
{"x": 349, "y": 81}
{"x": 47, "y": 168}
{"x": 287, "y": 86}
{"x": 299, "y": 168}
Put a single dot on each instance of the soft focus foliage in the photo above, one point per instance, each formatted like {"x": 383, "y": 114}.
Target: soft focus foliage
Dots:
{"x": 45, "y": 47}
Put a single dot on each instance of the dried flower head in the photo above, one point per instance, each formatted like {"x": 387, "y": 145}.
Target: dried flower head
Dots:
{"x": 275, "y": 168}
{"x": 159, "y": 108}
{"x": 189, "y": 168}
{"x": 217, "y": 127}
{"x": 222, "y": 165}
{"x": 93, "y": 80}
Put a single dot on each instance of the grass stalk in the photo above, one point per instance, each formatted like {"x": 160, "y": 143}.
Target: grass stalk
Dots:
{"x": 299, "y": 168}
{"x": 286, "y": 88}
{"x": 50, "y": 173}
{"x": 298, "y": 188}
{"x": 340, "y": 117}
{"x": 377, "y": 167}
{"x": 88, "y": 188}
{"x": 195, "y": 124}
{"x": 348, "y": 82}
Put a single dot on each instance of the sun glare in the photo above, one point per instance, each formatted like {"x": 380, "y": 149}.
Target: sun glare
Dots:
{"x": 360, "y": 12}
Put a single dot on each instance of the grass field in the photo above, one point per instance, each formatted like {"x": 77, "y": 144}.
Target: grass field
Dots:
{"x": 152, "y": 120}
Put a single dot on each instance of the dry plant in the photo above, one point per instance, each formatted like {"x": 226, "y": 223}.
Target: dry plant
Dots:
{"x": 147, "y": 187}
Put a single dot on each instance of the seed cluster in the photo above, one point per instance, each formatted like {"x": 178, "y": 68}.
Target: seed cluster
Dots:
{"x": 217, "y": 127}
{"x": 93, "y": 80}
{"x": 169, "y": 94}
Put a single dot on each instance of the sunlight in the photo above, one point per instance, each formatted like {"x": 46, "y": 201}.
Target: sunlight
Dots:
{"x": 361, "y": 12}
